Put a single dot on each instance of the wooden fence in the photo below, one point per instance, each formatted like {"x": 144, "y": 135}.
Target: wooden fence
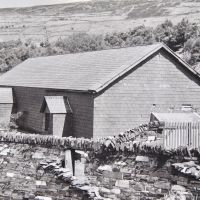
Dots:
{"x": 181, "y": 134}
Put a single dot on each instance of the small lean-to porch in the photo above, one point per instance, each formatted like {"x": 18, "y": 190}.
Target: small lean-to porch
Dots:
{"x": 57, "y": 116}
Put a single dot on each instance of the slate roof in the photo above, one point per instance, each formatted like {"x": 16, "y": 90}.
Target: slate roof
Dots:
{"x": 89, "y": 71}
{"x": 6, "y": 95}
{"x": 176, "y": 117}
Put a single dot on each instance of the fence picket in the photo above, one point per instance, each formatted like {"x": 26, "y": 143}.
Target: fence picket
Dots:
{"x": 171, "y": 136}
{"x": 170, "y": 132}
{"x": 198, "y": 132}
{"x": 181, "y": 139}
{"x": 183, "y": 135}
{"x": 193, "y": 135}
{"x": 186, "y": 134}
{"x": 176, "y": 139}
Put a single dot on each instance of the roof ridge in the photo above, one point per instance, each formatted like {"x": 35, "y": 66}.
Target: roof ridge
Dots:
{"x": 120, "y": 72}
{"x": 89, "y": 73}
{"x": 98, "y": 87}
{"x": 87, "y": 52}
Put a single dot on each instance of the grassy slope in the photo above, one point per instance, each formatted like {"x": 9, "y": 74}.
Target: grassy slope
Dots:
{"x": 97, "y": 16}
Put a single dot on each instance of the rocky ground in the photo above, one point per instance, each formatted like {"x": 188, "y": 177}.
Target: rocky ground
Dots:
{"x": 22, "y": 178}
{"x": 132, "y": 165}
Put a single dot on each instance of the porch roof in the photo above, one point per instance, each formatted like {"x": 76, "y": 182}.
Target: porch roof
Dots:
{"x": 56, "y": 105}
{"x": 175, "y": 117}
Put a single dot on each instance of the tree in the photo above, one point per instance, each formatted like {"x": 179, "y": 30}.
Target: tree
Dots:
{"x": 81, "y": 42}
{"x": 164, "y": 33}
{"x": 184, "y": 31}
{"x": 140, "y": 35}
{"x": 184, "y": 36}
{"x": 115, "y": 40}
{"x": 192, "y": 48}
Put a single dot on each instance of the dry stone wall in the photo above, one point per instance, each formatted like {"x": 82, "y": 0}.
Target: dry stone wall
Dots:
{"x": 116, "y": 168}
{"x": 140, "y": 177}
{"x": 22, "y": 178}
{"x": 125, "y": 142}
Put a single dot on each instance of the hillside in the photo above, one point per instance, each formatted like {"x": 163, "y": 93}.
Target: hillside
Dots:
{"x": 95, "y": 16}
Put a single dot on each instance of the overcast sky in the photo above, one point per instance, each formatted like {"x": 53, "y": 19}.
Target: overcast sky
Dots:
{"x": 26, "y": 3}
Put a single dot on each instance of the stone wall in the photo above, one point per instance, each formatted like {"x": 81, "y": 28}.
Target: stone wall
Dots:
{"x": 127, "y": 177}
{"x": 22, "y": 178}
{"x": 128, "y": 166}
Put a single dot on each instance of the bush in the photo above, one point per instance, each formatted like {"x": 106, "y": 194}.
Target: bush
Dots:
{"x": 192, "y": 48}
{"x": 81, "y": 42}
{"x": 14, "y": 119}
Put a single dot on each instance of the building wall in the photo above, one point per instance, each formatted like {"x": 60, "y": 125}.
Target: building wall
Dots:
{"x": 82, "y": 107}
{"x": 5, "y": 113}
{"x": 160, "y": 84}
{"x": 59, "y": 124}
{"x": 30, "y": 101}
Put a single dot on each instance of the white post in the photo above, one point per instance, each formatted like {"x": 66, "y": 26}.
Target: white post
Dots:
{"x": 79, "y": 170}
{"x": 68, "y": 160}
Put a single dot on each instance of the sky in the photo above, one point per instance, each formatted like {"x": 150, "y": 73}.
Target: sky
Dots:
{"x": 27, "y": 3}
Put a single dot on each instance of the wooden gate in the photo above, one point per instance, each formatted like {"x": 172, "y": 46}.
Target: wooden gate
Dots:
{"x": 181, "y": 134}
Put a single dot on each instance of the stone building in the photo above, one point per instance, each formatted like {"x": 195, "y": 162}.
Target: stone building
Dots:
{"x": 100, "y": 93}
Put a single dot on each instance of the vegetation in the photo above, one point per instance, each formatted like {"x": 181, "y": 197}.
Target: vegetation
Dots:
{"x": 183, "y": 37}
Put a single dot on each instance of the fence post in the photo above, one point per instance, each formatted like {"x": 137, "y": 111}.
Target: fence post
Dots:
{"x": 189, "y": 133}
{"x": 69, "y": 160}
{"x": 198, "y": 132}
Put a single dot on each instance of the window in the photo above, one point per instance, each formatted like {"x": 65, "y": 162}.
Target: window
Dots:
{"x": 186, "y": 107}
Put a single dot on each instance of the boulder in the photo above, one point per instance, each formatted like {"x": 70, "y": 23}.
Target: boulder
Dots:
{"x": 104, "y": 190}
{"x": 162, "y": 185}
{"x": 116, "y": 191}
{"x": 105, "y": 168}
{"x": 142, "y": 159}
{"x": 178, "y": 188}
{"x": 122, "y": 183}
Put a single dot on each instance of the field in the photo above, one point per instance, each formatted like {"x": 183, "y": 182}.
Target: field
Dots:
{"x": 95, "y": 16}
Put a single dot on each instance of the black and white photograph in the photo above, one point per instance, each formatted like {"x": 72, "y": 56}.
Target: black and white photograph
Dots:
{"x": 99, "y": 99}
